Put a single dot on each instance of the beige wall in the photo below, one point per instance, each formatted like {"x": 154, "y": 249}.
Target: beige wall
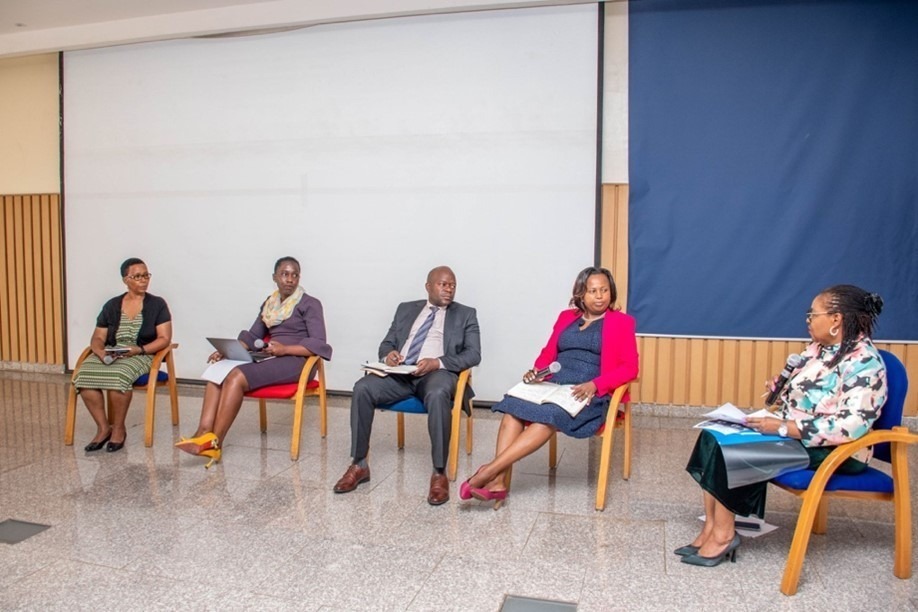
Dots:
{"x": 29, "y": 125}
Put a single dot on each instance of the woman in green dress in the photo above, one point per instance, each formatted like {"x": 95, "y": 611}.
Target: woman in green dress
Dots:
{"x": 131, "y": 328}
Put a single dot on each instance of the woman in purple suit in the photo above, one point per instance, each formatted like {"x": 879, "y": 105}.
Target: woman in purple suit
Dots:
{"x": 296, "y": 326}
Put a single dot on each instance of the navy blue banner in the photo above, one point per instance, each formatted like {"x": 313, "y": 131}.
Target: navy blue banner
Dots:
{"x": 773, "y": 152}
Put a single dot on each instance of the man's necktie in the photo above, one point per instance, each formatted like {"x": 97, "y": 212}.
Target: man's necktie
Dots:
{"x": 414, "y": 350}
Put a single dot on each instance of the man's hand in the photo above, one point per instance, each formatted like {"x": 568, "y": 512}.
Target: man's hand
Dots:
{"x": 393, "y": 359}
{"x": 426, "y": 366}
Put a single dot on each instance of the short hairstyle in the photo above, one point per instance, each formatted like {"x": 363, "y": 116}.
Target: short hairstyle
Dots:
{"x": 127, "y": 263}
{"x": 580, "y": 287}
{"x": 859, "y": 310}
{"x": 282, "y": 260}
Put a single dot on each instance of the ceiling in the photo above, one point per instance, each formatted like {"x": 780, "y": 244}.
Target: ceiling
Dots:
{"x": 44, "y": 26}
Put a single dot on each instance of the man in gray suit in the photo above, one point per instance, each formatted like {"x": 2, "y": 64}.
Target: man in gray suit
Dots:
{"x": 441, "y": 337}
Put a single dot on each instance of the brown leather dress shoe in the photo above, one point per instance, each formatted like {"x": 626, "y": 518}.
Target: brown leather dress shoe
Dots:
{"x": 439, "y": 489}
{"x": 352, "y": 477}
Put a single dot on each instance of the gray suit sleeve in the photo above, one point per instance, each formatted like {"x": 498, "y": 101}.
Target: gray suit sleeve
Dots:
{"x": 464, "y": 350}
{"x": 396, "y": 335}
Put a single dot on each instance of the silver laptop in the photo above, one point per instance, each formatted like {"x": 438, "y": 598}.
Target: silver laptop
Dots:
{"x": 233, "y": 349}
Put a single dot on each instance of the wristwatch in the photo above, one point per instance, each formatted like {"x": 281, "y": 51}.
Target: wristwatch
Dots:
{"x": 782, "y": 430}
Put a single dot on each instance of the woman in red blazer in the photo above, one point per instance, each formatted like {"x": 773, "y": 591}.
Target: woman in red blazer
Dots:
{"x": 594, "y": 344}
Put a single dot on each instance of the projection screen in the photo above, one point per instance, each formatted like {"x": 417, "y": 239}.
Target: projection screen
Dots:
{"x": 370, "y": 151}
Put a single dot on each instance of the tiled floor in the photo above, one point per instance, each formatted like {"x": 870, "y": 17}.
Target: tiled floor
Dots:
{"x": 150, "y": 529}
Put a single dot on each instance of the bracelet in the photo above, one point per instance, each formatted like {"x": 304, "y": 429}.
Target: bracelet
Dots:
{"x": 142, "y": 352}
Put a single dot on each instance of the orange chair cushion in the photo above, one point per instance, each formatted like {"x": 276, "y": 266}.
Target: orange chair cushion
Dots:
{"x": 280, "y": 391}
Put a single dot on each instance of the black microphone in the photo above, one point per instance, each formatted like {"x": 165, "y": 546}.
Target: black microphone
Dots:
{"x": 794, "y": 361}
{"x": 553, "y": 368}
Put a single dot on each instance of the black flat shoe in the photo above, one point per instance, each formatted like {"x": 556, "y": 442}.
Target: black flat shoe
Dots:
{"x": 114, "y": 447}
{"x": 94, "y": 446}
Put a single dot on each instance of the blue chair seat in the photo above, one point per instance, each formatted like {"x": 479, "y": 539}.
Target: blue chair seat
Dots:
{"x": 410, "y": 405}
{"x": 161, "y": 377}
{"x": 872, "y": 480}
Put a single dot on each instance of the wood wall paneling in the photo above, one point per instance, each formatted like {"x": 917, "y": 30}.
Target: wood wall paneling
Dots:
{"x": 31, "y": 279}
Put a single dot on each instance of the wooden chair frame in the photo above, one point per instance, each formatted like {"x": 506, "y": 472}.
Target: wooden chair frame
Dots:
{"x": 465, "y": 378}
{"x": 605, "y": 456}
{"x": 164, "y": 355}
{"x": 815, "y": 509}
{"x": 302, "y": 392}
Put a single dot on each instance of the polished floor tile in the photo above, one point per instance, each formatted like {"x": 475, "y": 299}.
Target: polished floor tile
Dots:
{"x": 151, "y": 529}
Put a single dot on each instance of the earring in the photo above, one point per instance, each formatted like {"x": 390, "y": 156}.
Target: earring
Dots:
{"x": 833, "y": 331}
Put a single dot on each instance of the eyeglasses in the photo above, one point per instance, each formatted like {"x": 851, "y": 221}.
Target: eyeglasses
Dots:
{"x": 810, "y": 315}
{"x": 137, "y": 277}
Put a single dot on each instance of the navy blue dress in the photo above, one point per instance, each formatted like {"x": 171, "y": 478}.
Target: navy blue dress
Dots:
{"x": 578, "y": 354}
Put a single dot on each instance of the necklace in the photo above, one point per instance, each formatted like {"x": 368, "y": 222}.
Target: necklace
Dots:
{"x": 591, "y": 319}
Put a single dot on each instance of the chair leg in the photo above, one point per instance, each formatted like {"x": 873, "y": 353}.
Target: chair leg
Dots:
{"x": 173, "y": 389}
{"x": 626, "y": 425}
{"x": 297, "y": 427}
{"x": 791, "y": 578}
{"x": 70, "y": 423}
{"x": 821, "y": 522}
{"x": 553, "y": 451}
{"x": 605, "y": 458}
{"x": 263, "y": 415}
{"x": 401, "y": 430}
{"x": 902, "y": 508}
{"x": 469, "y": 428}
{"x": 323, "y": 412}
{"x": 150, "y": 415}
{"x": 452, "y": 462}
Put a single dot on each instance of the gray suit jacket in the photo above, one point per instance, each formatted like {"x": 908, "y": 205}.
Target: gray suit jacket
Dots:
{"x": 461, "y": 339}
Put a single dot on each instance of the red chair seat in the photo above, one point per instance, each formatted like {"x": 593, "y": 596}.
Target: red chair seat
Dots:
{"x": 285, "y": 391}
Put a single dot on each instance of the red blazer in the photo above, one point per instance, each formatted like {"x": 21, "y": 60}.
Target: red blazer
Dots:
{"x": 618, "y": 359}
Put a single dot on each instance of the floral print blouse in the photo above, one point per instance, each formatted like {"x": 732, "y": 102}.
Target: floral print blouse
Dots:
{"x": 832, "y": 406}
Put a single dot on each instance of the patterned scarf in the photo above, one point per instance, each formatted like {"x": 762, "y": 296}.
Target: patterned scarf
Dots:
{"x": 275, "y": 312}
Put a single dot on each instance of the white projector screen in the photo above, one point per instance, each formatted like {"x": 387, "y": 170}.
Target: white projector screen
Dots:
{"x": 370, "y": 151}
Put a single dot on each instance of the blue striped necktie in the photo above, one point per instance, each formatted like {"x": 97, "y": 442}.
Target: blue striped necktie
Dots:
{"x": 414, "y": 351}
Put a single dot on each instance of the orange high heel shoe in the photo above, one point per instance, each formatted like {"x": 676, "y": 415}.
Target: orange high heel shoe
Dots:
{"x": 205, "y": 445}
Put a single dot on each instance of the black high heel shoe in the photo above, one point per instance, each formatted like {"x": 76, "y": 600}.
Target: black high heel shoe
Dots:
{"x": 728, "y": 552}
{"x": 94, "y": 446}
{"x": 685, "y": 551}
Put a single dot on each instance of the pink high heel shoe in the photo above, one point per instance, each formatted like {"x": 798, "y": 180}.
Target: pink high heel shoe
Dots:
{"x": 465, "y": 489}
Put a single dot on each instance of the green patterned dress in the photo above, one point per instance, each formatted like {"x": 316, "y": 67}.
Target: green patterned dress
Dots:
{"x": 121, "y": 374}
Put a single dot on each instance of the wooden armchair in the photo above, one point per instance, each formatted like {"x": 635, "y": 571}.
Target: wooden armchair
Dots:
{"x": 146, "y": 382}
{"x": 297, "y": 392}
{"x": 890, "y": 442}
{"x": 618, "y": 416}
{"x": 413, "y": 405}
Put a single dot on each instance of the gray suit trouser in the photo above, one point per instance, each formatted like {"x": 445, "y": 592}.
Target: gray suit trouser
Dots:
{"x": 435, "y": 390}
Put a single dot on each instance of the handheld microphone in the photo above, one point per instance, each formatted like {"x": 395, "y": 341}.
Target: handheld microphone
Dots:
{"x": 259, "y": 344}
{"x": 794, "y": 361}
{"x": 553, "y": 368}
{"x": 108, "y": 360}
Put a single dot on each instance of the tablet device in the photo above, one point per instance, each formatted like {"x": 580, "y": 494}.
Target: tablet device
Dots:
{"x": 233, "y": 349}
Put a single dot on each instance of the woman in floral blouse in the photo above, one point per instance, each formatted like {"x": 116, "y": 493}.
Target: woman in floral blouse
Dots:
{"x": 832, "y": 399}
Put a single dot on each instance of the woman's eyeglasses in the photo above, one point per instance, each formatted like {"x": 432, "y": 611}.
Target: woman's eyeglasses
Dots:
{"x": 137, "y": 277}
{"x": 810, "y": 315}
